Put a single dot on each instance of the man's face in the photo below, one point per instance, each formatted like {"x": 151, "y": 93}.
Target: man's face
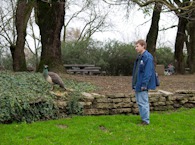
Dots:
{"x": 140, "y": 49}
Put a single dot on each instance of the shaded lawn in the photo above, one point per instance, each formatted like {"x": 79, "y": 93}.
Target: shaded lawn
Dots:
{"x": 167, "y": 128}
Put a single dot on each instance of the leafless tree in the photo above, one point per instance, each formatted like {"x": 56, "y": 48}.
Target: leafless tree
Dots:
{"x": 35, "y": 44}
{"x": 93, "y": 17}
{"x": 7, "y": 25}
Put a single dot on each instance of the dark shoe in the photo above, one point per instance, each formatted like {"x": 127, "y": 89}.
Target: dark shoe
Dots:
{"x": 144, "y": 123}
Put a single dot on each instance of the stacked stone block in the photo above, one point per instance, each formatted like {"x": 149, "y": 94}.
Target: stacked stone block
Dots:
{"x": 96, "y": 104}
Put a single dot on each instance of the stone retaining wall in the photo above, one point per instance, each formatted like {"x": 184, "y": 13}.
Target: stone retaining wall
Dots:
{"x": 96, "y": 104}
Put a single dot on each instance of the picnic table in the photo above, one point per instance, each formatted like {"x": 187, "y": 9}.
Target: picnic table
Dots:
{"x": 89, "y": 69}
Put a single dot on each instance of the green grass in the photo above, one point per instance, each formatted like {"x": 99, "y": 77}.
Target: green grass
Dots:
{"x": 167, "y": 128}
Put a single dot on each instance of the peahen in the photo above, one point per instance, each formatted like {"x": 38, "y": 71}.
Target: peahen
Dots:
{"x": 53, "y": 78}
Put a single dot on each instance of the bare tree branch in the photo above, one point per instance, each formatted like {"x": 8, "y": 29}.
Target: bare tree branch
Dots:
{"x": 168, "y": 28}
{"x": 7, "y": 26}
{"x": 180, "y": 8}
{"x": 93, "y": 20}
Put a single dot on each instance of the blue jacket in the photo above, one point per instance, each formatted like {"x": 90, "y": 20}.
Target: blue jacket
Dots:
{"x": 146, "y": 73}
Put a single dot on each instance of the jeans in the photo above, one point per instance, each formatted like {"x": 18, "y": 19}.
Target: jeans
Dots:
{"x": 143, "y": 105}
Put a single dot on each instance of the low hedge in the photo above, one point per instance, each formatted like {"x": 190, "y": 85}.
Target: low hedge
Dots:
{"x": 25, "y": 97}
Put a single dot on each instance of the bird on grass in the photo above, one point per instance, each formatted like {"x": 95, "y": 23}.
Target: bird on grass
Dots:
{"x": 53, "y": 78}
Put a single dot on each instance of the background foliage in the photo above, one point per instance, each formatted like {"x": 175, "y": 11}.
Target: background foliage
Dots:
{"x": 164, "y": 56}
{"x": 114, "y": 57}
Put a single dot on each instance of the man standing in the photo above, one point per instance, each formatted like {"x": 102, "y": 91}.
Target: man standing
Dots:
{"x": 143, "y": 79}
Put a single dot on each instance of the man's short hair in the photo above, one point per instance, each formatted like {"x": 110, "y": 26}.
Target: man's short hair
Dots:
{"x": 142, "y": 43}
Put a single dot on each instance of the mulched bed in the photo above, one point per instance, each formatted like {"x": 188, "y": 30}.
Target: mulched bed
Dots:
{"x": 122, "y": 84}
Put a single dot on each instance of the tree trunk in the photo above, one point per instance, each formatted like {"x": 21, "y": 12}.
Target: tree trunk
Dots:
{"x": 50, "y": 21}
{"x": 153, "y": 32}
{"x": 191, "y": 46}
{"x": 23, "y": 12}
{"x": 179, "y": 44}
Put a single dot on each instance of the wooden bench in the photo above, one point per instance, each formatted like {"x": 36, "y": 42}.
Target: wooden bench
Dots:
{"x": 88, "y": 69}
{"x": 81, "y": 66}
{"x": 187, "y": 70}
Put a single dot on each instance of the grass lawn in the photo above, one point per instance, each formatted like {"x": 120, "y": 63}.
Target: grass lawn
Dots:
{"x": 167, "y": 128}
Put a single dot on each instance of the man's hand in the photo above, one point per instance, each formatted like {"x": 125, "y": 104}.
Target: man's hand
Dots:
{"x": 143, "y": 88}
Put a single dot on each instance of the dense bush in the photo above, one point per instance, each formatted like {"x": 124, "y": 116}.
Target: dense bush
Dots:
{"x": 73, "y": 105}
{"x": 114, "y": 57}
{"x": 26, "y": 97}
{"x": 120, "y": 58}
{"x": 6, "y": 62}
{"x": 81, "y": 52}
{"x": 164, "y": 56}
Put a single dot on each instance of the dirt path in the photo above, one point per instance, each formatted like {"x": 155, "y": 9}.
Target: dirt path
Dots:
{"x": 122, "y": 84}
